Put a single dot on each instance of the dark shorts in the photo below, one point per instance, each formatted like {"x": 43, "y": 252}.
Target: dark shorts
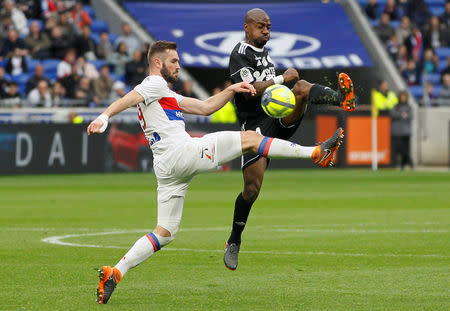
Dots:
{"x": 268, "y": 127}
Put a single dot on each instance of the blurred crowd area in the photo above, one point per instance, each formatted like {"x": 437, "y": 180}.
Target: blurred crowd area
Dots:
{"x": 55, "y": 53}
{"x": 416, "y": 35}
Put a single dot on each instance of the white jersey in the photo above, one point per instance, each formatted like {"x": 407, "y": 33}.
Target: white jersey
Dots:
{"x": 160, "y": 115}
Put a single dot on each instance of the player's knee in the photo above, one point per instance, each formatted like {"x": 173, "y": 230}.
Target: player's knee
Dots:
{"x": 164, "y": 240}
{"x": 165, "y": 233}
{"x": 301, "y": 89}
{"x": 250, "y": 141}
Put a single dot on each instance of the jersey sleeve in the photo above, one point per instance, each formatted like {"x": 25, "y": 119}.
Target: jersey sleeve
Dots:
{"x": 151, "y": 89}
{"x": 241, "y": 68}
{"x": 178, "y": 97}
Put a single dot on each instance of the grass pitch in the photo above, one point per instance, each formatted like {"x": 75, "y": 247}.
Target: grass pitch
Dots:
{"x": 315, "y": 240}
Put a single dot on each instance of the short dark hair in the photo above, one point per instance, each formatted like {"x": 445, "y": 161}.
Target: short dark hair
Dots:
{"x": 160, "y": 47}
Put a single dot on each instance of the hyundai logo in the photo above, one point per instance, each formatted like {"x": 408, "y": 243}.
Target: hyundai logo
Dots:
{"x": 281, "y": 44}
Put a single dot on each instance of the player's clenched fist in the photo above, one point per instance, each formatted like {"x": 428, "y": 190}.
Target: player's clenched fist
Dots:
{"x": 99, "y": 125}
{"x": 291, "y": 75}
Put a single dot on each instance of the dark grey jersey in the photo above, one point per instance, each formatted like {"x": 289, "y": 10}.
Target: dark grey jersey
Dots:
{"x": 250, "y": 64}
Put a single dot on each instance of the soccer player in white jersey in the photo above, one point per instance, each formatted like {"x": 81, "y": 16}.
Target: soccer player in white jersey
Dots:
{"x": 178, "y": 157}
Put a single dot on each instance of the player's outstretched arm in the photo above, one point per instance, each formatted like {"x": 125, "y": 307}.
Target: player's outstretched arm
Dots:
{"x": 100, "y": 124}
{"x": 214, "y": 103}
{"x": 289, "y": 75}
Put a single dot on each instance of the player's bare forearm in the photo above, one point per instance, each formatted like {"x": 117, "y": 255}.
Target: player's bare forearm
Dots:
{"x": 129, "y": 100}
{"x": 100, "y": 123}
{"x": 219, "y": 100}
{"x": 261, "y": 86}
{"x": 289, "y": 75}
{"x": 214, "y": 103}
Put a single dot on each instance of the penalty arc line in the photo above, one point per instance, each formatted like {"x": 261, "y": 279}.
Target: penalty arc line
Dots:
{"x": 58, "y": 240}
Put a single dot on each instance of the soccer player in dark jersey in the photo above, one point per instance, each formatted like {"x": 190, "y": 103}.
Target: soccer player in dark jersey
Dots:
{"x": 250, "y": 62}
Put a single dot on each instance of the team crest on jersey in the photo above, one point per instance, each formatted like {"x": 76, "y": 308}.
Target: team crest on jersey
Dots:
{"x": 246, "y": 75}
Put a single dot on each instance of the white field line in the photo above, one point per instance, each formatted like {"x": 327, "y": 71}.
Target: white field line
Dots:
{"x": 287, "y": 228}
{"x": 352, "y": 230}
{"x": 58, "y": 241}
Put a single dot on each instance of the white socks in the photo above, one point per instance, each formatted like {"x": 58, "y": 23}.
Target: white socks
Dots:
{"x": 278, "y": 148}
{"x": 141, "y": 250}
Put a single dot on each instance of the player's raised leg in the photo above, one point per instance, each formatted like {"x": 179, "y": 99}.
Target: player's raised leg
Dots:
{"x": 317, "y": 94}
{"x": 278, "y": 148}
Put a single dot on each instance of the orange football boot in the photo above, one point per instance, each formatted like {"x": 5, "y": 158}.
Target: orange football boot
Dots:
{"x": 346, "y": 88}
{"x": 325, "y": 153}
{"x": 109, "y": 277}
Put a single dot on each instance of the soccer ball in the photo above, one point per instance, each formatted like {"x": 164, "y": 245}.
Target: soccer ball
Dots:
{"x": 277, "y": 101}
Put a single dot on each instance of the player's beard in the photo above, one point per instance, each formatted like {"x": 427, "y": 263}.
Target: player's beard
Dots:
{"x": 165, "y": 73}
{"x": 261, "y": 42}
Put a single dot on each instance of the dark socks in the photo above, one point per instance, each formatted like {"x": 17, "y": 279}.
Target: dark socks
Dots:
{"x": 321, "y": 95}
{"x": 241, "y": 212}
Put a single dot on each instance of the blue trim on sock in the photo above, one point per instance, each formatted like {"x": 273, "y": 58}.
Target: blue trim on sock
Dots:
{"x": 262, "y": 146}
{"x": 155, "y": 239}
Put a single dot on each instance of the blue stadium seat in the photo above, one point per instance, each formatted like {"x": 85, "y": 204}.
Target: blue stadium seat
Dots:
{"x": 435, "y": 78}
{"x": 117, "y": 77}
{"x": 113, "y": 37}
{"x": 442, "y": 65}
{"x": 32, "y": 63}
{"x": 416, "y": 91}
{"x": 395, "y": 24}
{"x": 99, "y": 26}
{"x": 96, "y": 37}
{"x": 22, "y": 88}
{"x": 50, "y": 64}
{"x": 89, "y": 10}
{"x": 98, "y": 63}
{"x": 21, "y": 81}
{"x": 437, "y": 89}
{"x": 443, "y": 53}
{"x": 51, "y": 75}
{"x": 438, "y": 11}
{"x": 435, "y": 2}
{"x": 22, "y": 78}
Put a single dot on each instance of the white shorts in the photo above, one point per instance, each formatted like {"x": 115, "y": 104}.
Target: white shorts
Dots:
{"x": 175, "y": 169}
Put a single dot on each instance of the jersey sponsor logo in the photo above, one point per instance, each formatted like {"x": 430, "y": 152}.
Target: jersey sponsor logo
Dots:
{"x": 171, "y": 108}
{"x": 266, "y": 74}
{"x": 246, "y": 75}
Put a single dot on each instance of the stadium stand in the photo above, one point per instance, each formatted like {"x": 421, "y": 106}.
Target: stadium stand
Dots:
{"x": 50, "y": 64}
{"x": 433, "y": 7}
{"x": 420, "y": 12}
